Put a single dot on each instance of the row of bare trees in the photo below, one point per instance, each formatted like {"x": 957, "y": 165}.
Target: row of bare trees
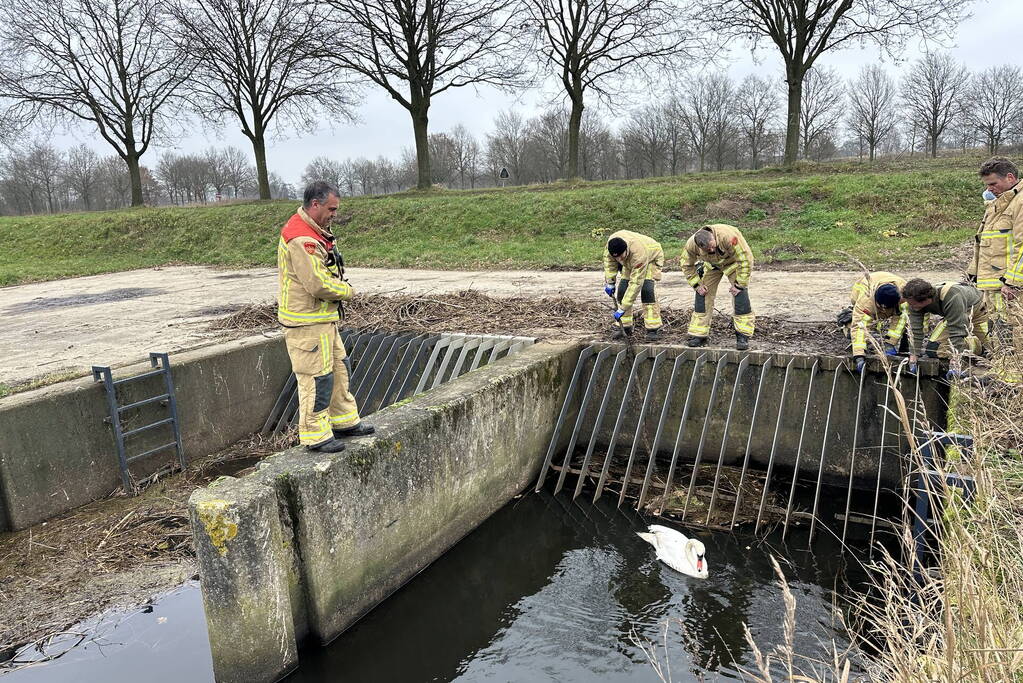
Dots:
{"x": 129, "y": 68}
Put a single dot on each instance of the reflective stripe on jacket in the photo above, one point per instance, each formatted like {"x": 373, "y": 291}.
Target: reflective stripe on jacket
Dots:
{"x": 732, "y": 256}
{"x": 998, "y": 244}
{"x": 866, "y": 311}
{"x": 308, "y": 291}
{"x": 644, "y": 260}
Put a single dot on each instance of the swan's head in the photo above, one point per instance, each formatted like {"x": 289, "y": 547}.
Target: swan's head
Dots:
{"x": 697, "y": 558}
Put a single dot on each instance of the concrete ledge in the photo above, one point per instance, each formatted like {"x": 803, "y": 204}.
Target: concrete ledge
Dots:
{"x": 365, "y": 521}
{"x": 56, "y": 452}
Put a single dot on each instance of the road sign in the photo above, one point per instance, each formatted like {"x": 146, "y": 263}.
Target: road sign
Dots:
{"x": 504, "y": 174}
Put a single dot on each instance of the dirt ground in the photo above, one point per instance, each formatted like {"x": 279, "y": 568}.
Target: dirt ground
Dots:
{"x": 60, "y": 329}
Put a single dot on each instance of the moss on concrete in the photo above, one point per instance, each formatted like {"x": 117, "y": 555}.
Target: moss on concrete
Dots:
{"x": 214, "y": 515}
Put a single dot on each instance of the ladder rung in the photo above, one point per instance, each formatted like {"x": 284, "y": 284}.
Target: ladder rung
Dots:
{"x": 147, "y": 427}
{"x": 150, "y": 452}
{"x": 144, "y": 402}
{"x": 144, "y": 375}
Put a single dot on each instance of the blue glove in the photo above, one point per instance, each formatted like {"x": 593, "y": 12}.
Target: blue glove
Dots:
{"x": 861, "y": 362}
{"x": 890, "y": 350}
{"x": 618, "y": 315}
{"x": 609, "y": 290}
{"x": 913, "y": 368}
{"x": 955, "y": 374}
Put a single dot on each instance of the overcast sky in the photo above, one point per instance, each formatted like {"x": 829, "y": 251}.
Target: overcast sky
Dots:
{"x": 991, "y": 36}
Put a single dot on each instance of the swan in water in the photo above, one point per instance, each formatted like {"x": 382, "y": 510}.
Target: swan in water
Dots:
{"x": 682, "y": 554}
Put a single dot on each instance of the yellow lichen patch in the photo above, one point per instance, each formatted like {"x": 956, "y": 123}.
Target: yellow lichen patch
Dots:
{"x": 212, "y": 514}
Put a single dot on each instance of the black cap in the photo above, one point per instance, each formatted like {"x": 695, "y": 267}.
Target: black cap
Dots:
{"x": 887, "y": 295}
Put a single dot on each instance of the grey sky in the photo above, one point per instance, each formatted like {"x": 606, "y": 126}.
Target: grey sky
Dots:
{"x": 989, "y": 38}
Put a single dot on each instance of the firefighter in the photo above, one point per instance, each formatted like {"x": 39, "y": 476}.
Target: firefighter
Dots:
{"x": 963, "y": 326}
{"x": 307, "y": 307}
{"x": 876, "y": 299}
{"x": 636, "y": 261}
{"x": 713, "y": 252}
{"x": 997, "y": 265}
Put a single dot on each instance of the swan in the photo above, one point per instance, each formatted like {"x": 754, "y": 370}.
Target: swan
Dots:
{"x": 682, "y": 554}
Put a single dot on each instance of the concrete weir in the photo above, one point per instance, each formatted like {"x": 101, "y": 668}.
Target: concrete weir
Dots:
{"x": 306, "y": 545}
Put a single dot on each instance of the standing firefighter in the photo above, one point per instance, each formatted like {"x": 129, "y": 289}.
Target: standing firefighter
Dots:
{"x": 875, "y": 299}
{"x": 637, "y": 261}
{"x": 997, "y": 265}
{"x": 963, "y": 325}
{"x": 307, "y": 306}
{"x": 713, "y": 252}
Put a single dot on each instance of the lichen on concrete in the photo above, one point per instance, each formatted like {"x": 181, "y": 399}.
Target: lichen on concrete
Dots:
{"x": 215, "y": 520}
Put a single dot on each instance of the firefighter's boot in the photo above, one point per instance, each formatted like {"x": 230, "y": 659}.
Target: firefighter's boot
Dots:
{"x": 653, "y": 334}
{"x": 741, "y": 341}
{"x": 693, "y": 342}
{"x": 621, "y": 333}
{"x": 361, "y": 429}
{"x": 329, "y": 446}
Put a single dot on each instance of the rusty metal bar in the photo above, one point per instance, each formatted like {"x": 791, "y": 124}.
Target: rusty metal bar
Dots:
{"x": 583, "y": 356}
{"x": 799, "y": 449}
{"x": 743, "y": 364}
{"x": 749, "y": 439}
{"x": 584, "y": 404}
{"x": 640, "y": 356}
{"x": 824, "y": 448}
{"x": 639, "y": 425}
{"x": 585, "y": 468}
{"x": 852, "y": 462}
{"x": 660, "y": 430}
{"x": 703, "y": 434}
{"x": 697, "y": 367}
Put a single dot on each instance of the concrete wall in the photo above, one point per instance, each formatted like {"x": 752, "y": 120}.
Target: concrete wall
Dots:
{"x": 309, "y": 543}
{"x": 57, "y": 453}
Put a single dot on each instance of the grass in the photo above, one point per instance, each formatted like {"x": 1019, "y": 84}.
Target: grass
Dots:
{"x": 886, "y": 215}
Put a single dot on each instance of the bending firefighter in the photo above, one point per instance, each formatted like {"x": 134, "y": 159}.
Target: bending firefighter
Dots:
{"x": 307, "y": 307}
{"x": 714, "y": 252}
{"x": 876, "y": 299}
{"x": 963, "y": 326}
{"x": 636, "y": 260}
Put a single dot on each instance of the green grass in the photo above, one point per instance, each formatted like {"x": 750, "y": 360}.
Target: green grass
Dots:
{"x": 788, "y": 216}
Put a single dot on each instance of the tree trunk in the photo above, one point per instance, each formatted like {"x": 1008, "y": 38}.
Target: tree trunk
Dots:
{"x": 421, "y": 129}
{"x": 262, "y": 175}
{"x": 794, "y": 80}
{"x": 934, "y": 146}
{"x": 134, "y": 176}
{"x": 575, "y": 122}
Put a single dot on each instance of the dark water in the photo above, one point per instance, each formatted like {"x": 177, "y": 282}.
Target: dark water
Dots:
{"x": 545, "y": 590}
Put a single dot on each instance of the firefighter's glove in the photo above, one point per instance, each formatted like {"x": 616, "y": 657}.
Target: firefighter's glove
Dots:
{"x": 913, "y": 369}
{"x": 861, "y": 362}
{"x": 954, "y": 374}
{"x": 618, "y": 315}
{"x": 609, "y": 290}
{"x": 890, "y": 350}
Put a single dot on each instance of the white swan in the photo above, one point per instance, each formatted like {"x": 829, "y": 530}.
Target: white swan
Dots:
{"x": 682, "y": 554}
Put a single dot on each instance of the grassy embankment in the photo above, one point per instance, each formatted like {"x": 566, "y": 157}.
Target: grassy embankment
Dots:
{"x": 889, "y": 214}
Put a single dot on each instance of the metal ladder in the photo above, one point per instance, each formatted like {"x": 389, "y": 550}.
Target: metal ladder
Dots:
{"x": 161, "y": 362}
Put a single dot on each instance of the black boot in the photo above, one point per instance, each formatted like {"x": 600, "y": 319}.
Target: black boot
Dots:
{"x": 741, "y": 341}
{"x": 693, "y": 342}
{"x": 654, "y": 333}
{"x": 331, "y": 446}
{"x": 621, "y": 333}
{"x": 361, "y": 429}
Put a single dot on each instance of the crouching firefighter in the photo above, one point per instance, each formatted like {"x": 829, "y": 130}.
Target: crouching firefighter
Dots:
{"x": 636, "y": 260}
{"x": 714, "y": 252}
{"x": 308, "y": 303}
{"x": 962, "y": 331}
{"x": 876, "y": 298}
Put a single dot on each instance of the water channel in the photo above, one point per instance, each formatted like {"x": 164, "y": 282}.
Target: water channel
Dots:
{"x": 545, "y": 590}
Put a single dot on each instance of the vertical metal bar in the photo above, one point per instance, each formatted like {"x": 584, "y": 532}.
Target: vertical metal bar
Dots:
{"x": 172, "y": 402}
{"x": 485, "y": 347}
{"x": 640, "y": 356}
{"x": 824, "y": 449}
{"x": 703, "y": 434}
{"x": 660, "y": 430}
{"x": 362, "y": 342}
{"x": 456, "y": 343}
{"x": 697, "y": 367}
{"x": 799, "y": 449}
{"x": 388, "y": 370}
{"x": 774, "y": 443}
{"x": 441, "y": 344}
{"x": 852, "y": 460}
{"x": 743, "y": 364}
{"x": 470, "y": 344}
{"x": 412, "y": 377}
{"x": 880, "y": 463}
{"x": 583, "y": 356}
{"x": 401, "y": 372}
{"x": 639, "y": 425}
{"x": 103, "y": 374}
{"x": 290, "y": 408}
{"x": 364, "y": 360}
{"x": 584, "y": 404}
{"x": 371, "y": 371}
{"x": 922, "y": 507}
{"x": 279, "y": 405}
{"x": 749, "y": 439}
{"x": 585, "y": 468}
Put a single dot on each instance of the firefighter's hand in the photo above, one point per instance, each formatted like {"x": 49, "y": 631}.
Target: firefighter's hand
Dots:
{"x": 913, "y": 369}
{"x": 1009, "y": 293}
{"x": 701, "y": 290}
{"x": 733, "y": 290}
{"x": 954, "y": 374}
{"x": 609, "y": 290}
{"x": 861, "y": 362}
{"x": 618, "y": 315}
{"x": 890, "y": 350}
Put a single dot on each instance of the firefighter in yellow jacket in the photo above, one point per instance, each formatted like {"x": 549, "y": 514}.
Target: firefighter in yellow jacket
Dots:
{"x": 997, "y": 265}
{"x": 307, "y": 307}
{"x": 713, "y": 252}
{"x": 636, "y": 260}
{"x": 875, "y": 299}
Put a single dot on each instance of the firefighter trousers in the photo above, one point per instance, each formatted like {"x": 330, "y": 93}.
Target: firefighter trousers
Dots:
{"x": 938, "y": 344}
{"x": 648, "y": 298}
{"x": 324, "y": 401}
{"x": 743, "y": 318}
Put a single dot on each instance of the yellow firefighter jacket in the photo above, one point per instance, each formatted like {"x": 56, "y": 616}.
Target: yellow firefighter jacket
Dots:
{"x": 866, "y": 311}
{"x": 308, "y": 291}
{"x": 998, "y": 244}
{"x": 732, "y": 256}
{"x": 644, "y": 259}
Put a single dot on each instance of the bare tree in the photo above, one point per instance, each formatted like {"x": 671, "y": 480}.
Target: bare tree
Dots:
{"x": 931, "y": 92}
{"x": 997, "y": 99}
{"x": 594, "y": 46}
{"x": 821, "y": 109}
{"x": 103, "y": 62}
{"x": 506, "y": 146}
{"x": 416, "y": 50}
{"x": 756, "y": 108}
{"x": 803, "y": 30}
{"x": 872, "y": 113}
{"x": 81, "y": 173}
{"x": 326, "y": 169}
{"x": 706, "y": 109}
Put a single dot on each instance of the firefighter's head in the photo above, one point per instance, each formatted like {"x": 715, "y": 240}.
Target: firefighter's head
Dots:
{"x": 887, "y": 296}
{"x": 704, "y": 239}
{"x": 999, "y": 174}
{"x": 618, "y": 249}
{"x": 918, "y": 293}
{"x": 320, "y": 201}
